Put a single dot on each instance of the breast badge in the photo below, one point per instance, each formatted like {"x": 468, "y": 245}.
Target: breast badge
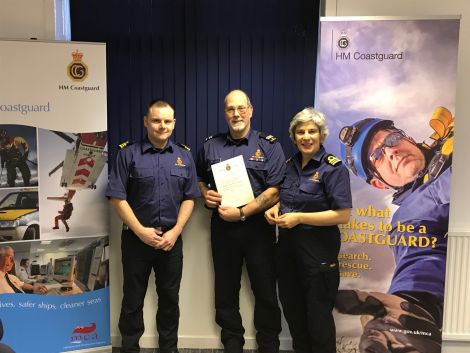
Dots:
{"x": 179, "y": 162}
{"x": 315, "y": 177}
{"x": 258, "y": 157}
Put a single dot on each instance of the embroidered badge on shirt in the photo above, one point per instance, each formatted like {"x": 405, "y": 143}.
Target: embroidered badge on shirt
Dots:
{"x": 258, "y": 157}
{"x": 315, "y": 177}
{"x": 227, "y": 167}
{"x": 179, "y": 162}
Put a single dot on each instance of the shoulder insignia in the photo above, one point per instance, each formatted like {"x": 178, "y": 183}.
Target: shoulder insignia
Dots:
{"x": 333, "y": 160}
{"x": 211, "y": 137}
{"x": 182, "y": 145}
{"x": 269, "y": 138}
{"x": 124, "y": 144}
{"x": 290, "y": 159}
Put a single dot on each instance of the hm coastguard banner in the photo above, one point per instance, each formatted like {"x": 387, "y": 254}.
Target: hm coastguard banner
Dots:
{"x": 56, "y": 86}
{"x": 388, "y": 88}
{"x": 54, "y": 237}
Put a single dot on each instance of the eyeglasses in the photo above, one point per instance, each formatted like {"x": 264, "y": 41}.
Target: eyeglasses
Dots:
{"x": 241, "y": 109}
{"x": 392, "y": 140}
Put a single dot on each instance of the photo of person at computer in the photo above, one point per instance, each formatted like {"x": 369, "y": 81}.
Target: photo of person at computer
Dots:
{"x": 80, "y": 266}
{"x": 9, "y": 283}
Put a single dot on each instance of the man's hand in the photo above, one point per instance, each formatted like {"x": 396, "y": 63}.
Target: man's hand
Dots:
{"x": 40, "y": 289}
{"x": 229, "y": 214}
{"x": 212, "y": 198}
{"x": 169, "y": 239}
{"x": 150, "y": 236}
{"x": 391, "y": 324}
{"x": 272, "y": 214}
{"x": 288, "y": 220}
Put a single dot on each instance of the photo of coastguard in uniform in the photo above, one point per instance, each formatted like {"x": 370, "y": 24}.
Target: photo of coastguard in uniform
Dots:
{"x": 18, "y": 156}
{"x": 386, "y": 157}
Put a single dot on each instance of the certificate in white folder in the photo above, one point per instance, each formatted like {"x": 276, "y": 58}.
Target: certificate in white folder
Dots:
{"x": 232, "y": 182}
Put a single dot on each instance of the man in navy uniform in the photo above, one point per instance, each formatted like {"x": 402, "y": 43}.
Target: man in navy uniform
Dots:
{"x": 152, "y": 187}
{"x": 241, "y": 233}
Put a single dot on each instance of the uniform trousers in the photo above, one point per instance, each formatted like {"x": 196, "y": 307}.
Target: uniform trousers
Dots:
{"x": 138, "y": 260}
{"x": 308, "y": 284}
{"x": 11, "y": 173}
{"x": 251, "y": 241}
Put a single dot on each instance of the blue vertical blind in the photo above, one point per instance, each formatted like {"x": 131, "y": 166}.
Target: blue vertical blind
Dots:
{"x": 193, "y": 52}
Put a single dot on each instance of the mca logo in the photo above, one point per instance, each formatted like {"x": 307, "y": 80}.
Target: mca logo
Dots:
{"x": 77, "y": 70}
{"x": 84, "y": 333}
{"x": 343, "y": 41}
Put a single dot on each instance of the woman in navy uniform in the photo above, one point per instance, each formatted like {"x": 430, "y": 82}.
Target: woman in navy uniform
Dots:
{"x": 315, "y": 197}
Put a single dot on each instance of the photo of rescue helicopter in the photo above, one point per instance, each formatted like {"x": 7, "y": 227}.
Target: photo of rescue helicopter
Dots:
{"x": 84, "y": 161}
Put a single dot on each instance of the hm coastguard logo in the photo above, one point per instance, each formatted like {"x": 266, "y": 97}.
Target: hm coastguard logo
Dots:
{"x": 343, "y": 41}
{"x": 345, "y": 53}
{"x": 77, "y": 70}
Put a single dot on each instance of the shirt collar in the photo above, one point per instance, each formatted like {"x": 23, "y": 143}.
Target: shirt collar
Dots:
{"x": 243, "y": 141}
{"x": 317, "y": 157}
{"x": 147, "y": 145}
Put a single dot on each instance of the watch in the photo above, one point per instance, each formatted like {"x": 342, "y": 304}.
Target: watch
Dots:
{"x": 242, "y": 214}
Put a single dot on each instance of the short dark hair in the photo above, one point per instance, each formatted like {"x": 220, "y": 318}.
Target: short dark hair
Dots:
{"x": 159, "y": 103}
{"x": 23, "y": 262}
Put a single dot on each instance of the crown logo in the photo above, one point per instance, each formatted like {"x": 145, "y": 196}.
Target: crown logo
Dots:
{"x": 77, "y": 70}
{"x": 77, "y": 56}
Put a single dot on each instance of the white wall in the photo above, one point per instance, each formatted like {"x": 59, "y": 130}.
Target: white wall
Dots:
{"x": 456, "y": 330}
{"x": 25, "y": 19}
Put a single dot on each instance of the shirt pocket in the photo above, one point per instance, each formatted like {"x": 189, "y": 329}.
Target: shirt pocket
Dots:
{"x": 179, "y": 172}
{"x": 179, "y": 176}
{"x": 258, "y": 172}
{"x": 313, "y": 189}
{"x": 141, "y": 184}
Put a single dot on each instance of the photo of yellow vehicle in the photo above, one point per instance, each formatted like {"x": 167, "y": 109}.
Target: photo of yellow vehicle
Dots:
{"x": 19, "y": 215}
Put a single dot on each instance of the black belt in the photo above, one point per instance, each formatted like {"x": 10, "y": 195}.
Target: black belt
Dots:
{"x": 163, "y": 228}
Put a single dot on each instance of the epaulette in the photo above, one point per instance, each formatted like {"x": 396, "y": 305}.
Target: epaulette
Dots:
{"x": 290, "y": 159}
{"x": 182, "y": 145}
{"x": 333, "y": 160}
{"x": 125, "y": 144}
{"x": 211, "y": 137}
{"x": 269, "y": 138}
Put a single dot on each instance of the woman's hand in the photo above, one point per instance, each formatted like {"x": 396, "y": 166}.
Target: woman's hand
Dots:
{"x": 272, "y": 214}
{"x": 288, "y": 220}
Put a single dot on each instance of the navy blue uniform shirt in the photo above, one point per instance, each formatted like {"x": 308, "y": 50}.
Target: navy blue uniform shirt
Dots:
{"x": 320, "y": 186}
{"x": 264, "y": 160}
{"x": 154, "y": 182}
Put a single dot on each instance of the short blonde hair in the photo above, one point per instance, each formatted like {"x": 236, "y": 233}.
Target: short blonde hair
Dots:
{"x": 309, "y": 114}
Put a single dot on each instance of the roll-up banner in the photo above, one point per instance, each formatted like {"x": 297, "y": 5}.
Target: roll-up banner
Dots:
{"x": 388, "y": 87}
{"x": 54, "y": 246}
